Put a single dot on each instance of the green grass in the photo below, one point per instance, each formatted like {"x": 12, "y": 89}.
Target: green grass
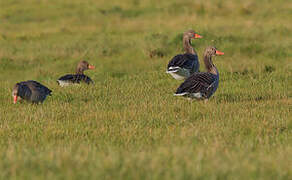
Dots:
{"x": 128, "y": 125}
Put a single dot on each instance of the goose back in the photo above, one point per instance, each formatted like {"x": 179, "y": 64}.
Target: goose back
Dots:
{"x": 186, "y": 61}
{"x": 73, "y": 78}
{"x": 199, "y": 85}
{"x": 202, "y": 85}
{"x": 32, "y": 91}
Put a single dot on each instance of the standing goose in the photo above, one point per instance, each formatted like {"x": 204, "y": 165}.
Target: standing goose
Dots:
{"x": 202, "y": 85}
{"x": 78, "y": 77}
{"x": 31, "y": 91}
{"x": 182, "y": 66}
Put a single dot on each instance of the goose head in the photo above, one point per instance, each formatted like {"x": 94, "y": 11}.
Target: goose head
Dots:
{"x": 17, "y": 91}
{"x": 82, "y": 66}
{"x": 191, "y": 34}
{"x": 212, "y": 51}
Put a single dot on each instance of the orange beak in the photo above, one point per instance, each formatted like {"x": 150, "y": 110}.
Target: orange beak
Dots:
{"x": 14, "y": 99}
{"x": 219, "y": 53}
{"x": 197, "y": 36}
{"x": 91, "y": 67}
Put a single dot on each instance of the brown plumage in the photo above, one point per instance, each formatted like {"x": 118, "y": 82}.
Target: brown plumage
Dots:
{"x": 182, "y": 66}
{"x": 78, "y": 77}
{"x": 202, "y": 85}
{"x": 82, "y": 66}
{"x": 31, "y": 91}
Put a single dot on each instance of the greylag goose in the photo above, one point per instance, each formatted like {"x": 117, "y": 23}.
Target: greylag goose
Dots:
{"x": 78, "y": 77}
{"x": 202, "y": 85}
{"x": 182, "y": 66}
{"x": 32, "y": 91}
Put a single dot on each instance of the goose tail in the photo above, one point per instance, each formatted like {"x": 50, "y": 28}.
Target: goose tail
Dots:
{"x": 173, "y": 69}
{"x": 180, "y": 94}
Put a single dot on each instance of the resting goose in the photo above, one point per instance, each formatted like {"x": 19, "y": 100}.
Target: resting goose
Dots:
{"x": 31, "y": 91}
{"x": 78, "y": 77}
{"x": 182, "y": 66}
{"x": 202, "y": 85}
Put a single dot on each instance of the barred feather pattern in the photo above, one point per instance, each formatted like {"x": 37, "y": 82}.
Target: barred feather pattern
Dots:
{"x": 185, "y": 61}
{"x": 32, "y": 91}
{"x": 201, "y": 85}
{"x": 204, "y": 82}
{"x": 76, "y": 78}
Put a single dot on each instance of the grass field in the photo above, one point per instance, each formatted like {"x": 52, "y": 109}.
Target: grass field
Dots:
{"x": 128, "y": 125}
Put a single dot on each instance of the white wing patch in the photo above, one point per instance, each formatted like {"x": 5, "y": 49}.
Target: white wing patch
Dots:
{"x": 178, "y": 73}
{"x": 181, "y": 94}
{"x": 197, "y": 95}
{"x": 64, "y": 83}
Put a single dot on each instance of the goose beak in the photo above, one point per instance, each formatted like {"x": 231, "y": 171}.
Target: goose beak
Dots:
{"x": 219, "y": 52}
{"x": 197, "y": 36}
{"x": 91, "y": 67}
{"x": 14, "y": 99}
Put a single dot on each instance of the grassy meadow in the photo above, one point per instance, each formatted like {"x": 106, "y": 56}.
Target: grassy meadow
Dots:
{"x": 128, "y": 125}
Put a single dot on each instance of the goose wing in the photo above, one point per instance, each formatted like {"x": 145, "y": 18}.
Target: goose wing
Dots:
{"x": 197, "y": 82}
{"x": 76, "y": 78}
{"x": 186, "y": 61}
{"x": 68, "y": 77}
{"x": 37, "y": 87}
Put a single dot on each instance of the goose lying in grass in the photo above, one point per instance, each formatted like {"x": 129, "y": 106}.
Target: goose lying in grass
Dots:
{"x": 182, "y": 66}
{"x": 202, "y": 85}
{"x": 31, "y": 91}
{"x": 78, "y": 77}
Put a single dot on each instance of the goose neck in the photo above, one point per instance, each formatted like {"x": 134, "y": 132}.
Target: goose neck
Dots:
{"x": 187, "y": 45}
{"x": 211, "y": 68}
